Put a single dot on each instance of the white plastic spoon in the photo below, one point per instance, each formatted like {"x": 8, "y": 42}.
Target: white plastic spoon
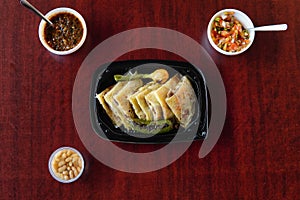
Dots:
{"x": 277, "y": 27}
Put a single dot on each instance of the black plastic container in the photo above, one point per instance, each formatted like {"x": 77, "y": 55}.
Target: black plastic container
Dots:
{"x": 104, "y": 77}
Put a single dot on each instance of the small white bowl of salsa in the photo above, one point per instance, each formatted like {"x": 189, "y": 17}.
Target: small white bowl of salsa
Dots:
{"x": 229, "y": 32}
{"x": 67, "y": 34}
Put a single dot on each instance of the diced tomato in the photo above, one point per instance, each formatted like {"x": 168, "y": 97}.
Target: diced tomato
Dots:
{"x": 247, "y": 41}
{"x": 237, "y": 27}
{"x": 225, "y": 33}
{"x": 232, "y": 47}
{"x": 229, "y": 33}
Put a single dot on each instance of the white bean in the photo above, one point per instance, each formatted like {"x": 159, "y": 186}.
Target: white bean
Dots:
{"x": 68, "y": 159}
{"x": 69, "y": 153}
{"x": 71, "y": 174}
{"x": 64, "y": 155}
{"x": 63, "y": 168}
{"x": 61, "y": 163}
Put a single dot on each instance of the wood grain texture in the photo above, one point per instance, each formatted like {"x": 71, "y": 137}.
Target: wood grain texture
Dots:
{"x": 256, "y": 157}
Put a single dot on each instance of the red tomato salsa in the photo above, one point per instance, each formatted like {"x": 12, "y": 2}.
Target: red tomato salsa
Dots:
{"x": 229, "y": 34}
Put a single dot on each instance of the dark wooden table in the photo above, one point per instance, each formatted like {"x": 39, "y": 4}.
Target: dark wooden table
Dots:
{"x": 256, "y": 157}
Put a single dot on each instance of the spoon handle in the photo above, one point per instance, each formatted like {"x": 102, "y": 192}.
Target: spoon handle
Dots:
{"x": 32, "y": 8}
{"x": 277, "y": 27}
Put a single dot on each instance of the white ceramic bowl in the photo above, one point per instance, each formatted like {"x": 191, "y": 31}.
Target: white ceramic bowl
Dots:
{"x": 246, "y": 23}
{"x": 51, "y": 170}
{"x": 53, "y": 13}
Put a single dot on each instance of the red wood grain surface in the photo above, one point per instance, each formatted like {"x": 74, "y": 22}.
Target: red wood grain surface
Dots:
{"x": 256, "y": 157}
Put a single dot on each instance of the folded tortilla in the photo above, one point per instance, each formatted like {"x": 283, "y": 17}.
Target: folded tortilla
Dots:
{"x": 182, "y": 101}
{"x": 161, "y": 94}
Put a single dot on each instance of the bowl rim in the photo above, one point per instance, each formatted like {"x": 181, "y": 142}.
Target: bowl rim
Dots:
{"x": 50, "y": 164}
{"x": 251, "y": 32}
{"x": 54, "y": 12}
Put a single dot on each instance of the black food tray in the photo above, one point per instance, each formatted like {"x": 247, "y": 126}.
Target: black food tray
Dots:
{"x": 104, "y": 77}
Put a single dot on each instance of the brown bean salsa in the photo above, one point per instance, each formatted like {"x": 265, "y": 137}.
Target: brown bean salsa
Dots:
{"x": 66, "y": 32}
